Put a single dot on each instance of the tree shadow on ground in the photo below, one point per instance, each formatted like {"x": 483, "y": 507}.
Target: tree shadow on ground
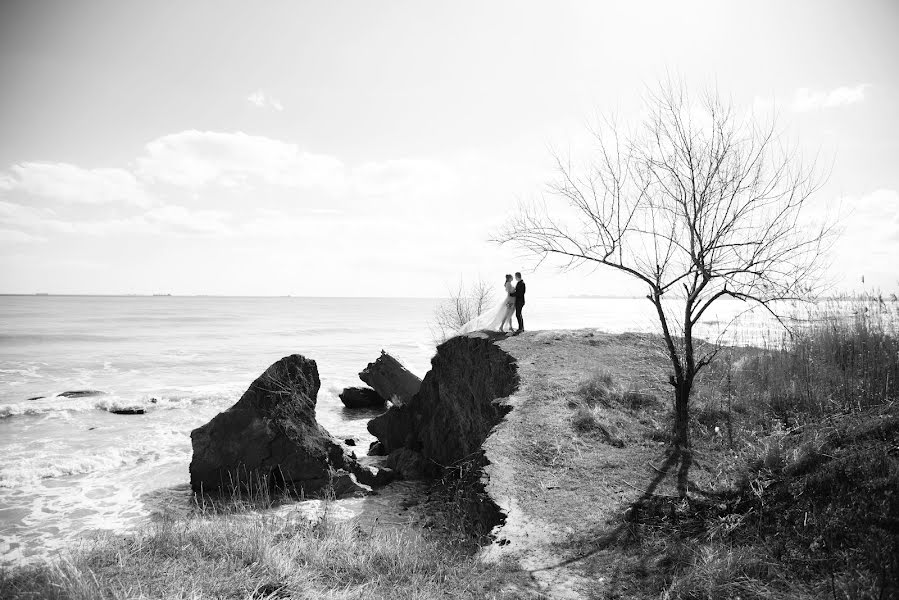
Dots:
{"x": 584, "y": 550}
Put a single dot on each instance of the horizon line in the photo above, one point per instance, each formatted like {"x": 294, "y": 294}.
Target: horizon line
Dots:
{"x": 136, "y": 295}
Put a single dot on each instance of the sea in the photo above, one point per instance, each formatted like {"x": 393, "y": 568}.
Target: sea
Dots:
{"x": 70, "y": 466}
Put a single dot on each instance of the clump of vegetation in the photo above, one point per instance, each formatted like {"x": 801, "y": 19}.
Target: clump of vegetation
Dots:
{"x": 596, "y": 389}
{"x": 600, "y": 389}
{"x": 463, "y": 304}
{"x": 813, "y": 512}
{"x": 846, "y": 359}
{"x": 597, "y": 403}
{"x": 460, "y": 508}
{"x": 221, "y": 553}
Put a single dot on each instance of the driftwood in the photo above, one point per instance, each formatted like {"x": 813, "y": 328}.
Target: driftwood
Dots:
{"x": 390, "y": 379}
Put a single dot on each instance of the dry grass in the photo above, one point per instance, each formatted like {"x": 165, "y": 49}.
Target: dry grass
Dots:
{"x": 807, "y": 506}
{"x": 234, "y": 554}
{"x": 815, "y": 515}
{"x": 846, "y": 358}
{"x": 601, "y": 407}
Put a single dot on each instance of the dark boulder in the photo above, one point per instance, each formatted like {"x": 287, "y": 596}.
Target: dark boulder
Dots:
{"x": 376, "y": 448}
{"x": 375, "y": 476}
{"x": 81, "y": 393}
{"x": 361, "y": 397}
{"x": 127, "y": 410}
{"x": 390, "y": 379}
{"x": 460, "y": 401}
{"x": 347, "y": 484}
{"x": 271, "y": 434}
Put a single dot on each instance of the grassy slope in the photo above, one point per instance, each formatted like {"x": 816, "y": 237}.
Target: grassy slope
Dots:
{"x": 600, "y": 508}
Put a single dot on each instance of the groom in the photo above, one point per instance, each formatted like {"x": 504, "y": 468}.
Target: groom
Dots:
{"x": 519, "y": 300}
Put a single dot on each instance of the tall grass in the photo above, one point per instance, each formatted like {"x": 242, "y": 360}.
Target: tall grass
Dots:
{"x": 814, "y": 422}
{"x": 845, "y": 358}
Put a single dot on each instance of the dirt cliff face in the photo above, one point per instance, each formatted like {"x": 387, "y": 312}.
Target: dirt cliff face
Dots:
{"x": 460, "y": 401}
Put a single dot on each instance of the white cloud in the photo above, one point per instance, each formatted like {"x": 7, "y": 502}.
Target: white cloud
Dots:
{"x": 184, "y": 220}
{"x": 260, "y": 99}
{"x": 870, "y": 238}
{"x": 405, "y": 179}
{"x": 167, "y": 219}
{"x": 179, "y": 176}
{"x": 19, "y": 237}
{"x": 19, "y": 216}
{"x": 159, "y": 220}
{"x": 805, "y": 99}
{"x": 197, "y": 158}
{"x": 72, "y": 184}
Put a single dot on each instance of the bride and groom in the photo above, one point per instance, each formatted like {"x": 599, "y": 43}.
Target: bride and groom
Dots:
{"x": 497, "y": 318}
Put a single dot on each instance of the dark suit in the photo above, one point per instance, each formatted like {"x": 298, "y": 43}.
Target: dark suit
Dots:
{"x": 520, "y": 288}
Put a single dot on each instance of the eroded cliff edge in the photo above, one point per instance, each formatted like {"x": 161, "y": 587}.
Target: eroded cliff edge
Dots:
{"x": 442, "y": 429}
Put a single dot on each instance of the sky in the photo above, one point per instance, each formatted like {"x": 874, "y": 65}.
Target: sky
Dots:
{"x": 375, "y": 148}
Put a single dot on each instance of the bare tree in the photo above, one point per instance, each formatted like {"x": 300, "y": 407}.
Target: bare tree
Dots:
{"x": 464, "y": 304}
{"x": 696, "y": 203}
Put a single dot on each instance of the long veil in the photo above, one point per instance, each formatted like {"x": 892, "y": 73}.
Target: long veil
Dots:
{"x": 491, "y": 319}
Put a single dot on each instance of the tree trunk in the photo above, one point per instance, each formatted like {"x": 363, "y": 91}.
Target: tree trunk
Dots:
{"x": 681, "y": 414}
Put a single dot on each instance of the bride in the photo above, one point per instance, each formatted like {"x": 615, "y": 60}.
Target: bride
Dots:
{"x": 496, "y": 318}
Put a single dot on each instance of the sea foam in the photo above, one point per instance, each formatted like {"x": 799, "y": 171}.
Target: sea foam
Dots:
{"x": 30, "y": 469}
{"x": 109, "y": 403}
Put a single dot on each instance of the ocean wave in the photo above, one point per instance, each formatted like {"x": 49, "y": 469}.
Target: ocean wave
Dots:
{"x": 108, "y": 403}
{"x": 30, "y": 469}
{"x": 20, "y": 338}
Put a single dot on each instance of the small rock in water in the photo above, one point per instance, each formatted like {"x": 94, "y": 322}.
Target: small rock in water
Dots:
{"x": 154, "y": 400}
{"x": 128, "y": 410}
{"x": 346, "y": 484}
{"x": 349, "y": 442}
{"x": 376, "y": 449}
{"x": 34, "y": 398}
{"x": 375, "y": 476}
{"x": 81, "y": 393}
{"x": 360, "y": 397}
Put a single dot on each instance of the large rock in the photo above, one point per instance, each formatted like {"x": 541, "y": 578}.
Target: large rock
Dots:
{"x": 390, "y": 379}
{"x": 271, "y": 434}
{"x": 361, "y": 397}
{"x": 460, "y": 401}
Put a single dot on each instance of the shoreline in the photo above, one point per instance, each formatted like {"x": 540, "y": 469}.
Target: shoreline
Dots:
{"x": 568, "y": 468}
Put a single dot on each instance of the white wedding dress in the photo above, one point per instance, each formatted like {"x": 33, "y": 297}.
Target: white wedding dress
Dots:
{"x": 492, "y": 319}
